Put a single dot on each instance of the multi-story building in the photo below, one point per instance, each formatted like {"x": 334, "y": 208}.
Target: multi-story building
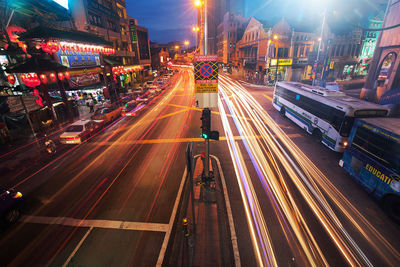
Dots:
{"x": 230, "y": 30}
{"x": 304, "y": 42}
{"x": 108, "y": 19}
{"x": 369, "y": 43}
{"x": 383, "y": 80}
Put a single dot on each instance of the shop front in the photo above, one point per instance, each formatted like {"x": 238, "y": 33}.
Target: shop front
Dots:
{"x": 281, "y": 71}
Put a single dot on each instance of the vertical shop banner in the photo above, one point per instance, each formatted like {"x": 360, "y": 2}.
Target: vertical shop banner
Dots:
{"x": 206, "y": 80}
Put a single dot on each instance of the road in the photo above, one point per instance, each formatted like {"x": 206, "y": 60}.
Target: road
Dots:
{"x": 300, "y": 207}
{"x": 109, "y": 201}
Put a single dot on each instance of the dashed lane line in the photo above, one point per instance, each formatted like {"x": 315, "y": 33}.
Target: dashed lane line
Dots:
{"x": 106, "y": 224}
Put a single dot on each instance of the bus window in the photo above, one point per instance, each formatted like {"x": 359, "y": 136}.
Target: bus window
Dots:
{"x": 383, "y": 150}
{"x": 346, "y": 126}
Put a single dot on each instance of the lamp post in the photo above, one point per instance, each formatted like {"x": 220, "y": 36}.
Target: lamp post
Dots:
{"x": 187, "y": 45}
{"x": 196, "y": 30}
{"x": 276, "y": 37}
{"x": 319, "y": 47}
{"x": 204, "y": 28}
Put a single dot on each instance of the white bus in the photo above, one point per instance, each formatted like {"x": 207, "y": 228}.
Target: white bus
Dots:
{"x": 326, "y": 114}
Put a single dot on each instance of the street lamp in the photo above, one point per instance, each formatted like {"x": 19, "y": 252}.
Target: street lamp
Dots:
{"x": 203, "y": 5}
{"x": 276, "y": 37}
{"x": 196, "y": 29}
{"x": 186, "y": 43}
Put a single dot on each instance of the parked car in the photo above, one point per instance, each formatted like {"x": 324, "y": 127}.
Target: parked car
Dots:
{"x": 10, "y": 201}
{"x": 107, "y": 114}
{"x": 79, "y": 131}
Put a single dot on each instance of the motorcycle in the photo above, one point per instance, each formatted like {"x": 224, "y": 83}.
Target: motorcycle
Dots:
{"x": 46, "y": 144}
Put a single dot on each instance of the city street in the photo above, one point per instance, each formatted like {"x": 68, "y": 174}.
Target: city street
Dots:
{"x": 301, "y": 207}
{"x": 113, "y": 198}
{"x": 110, "y": 200}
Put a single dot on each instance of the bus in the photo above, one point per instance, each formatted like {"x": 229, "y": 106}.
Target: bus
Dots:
{"x": 373, "y": 159}
{"x": 326, "y": 114}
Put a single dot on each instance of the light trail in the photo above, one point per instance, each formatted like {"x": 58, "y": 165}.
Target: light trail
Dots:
{"x": 274, "y": 157}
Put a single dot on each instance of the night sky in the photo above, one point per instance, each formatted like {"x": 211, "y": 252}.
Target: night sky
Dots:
{"x": 172, "y": 20}
{"x": 167, "y": 20}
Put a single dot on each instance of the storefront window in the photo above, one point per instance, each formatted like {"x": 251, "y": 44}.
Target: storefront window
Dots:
{"x": 384, "y": 74}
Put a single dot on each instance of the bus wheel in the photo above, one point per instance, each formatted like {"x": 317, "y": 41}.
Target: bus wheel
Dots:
{"x": 317, "y": 135}
{"x": 391, "y": 205}
{"x": 282, "y": 111}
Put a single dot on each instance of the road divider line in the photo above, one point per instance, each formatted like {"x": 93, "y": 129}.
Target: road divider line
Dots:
{"x": 267, "y": 97}
{"x": 235, "y": 246}
{"x": 106, "y": 224}
{"x": 77, "y": 247}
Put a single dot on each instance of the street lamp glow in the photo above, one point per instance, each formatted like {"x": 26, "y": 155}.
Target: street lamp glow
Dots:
{"x": 319, "y": 39}
{"x": 195, "y": 29}
{"x": 186, "y": 42}
{"x": 197, "y": 3}
{"x": 177, "y": 47}
{"x": 276, "y": 37}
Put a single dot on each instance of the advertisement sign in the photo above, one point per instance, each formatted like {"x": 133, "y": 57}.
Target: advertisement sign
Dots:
{"x": 282, "y": 62}
{"x": 84, "y": 77}
{"x": 206, "y": 80}
{"x": 78, "y": 59}
{"x": 132, "y": 31}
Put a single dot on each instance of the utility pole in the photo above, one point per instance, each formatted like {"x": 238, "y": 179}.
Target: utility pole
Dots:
{"x": 319, "y": 47}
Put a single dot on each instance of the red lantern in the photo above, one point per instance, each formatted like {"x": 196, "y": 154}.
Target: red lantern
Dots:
{"x": 53, "y": 77}
{"x": 43, "y": 78}
{"x": 67, "y": 75}
{"x": 60, "y": 76}
{"x": 11, "y": 79}
{"x": 37, "y": 46}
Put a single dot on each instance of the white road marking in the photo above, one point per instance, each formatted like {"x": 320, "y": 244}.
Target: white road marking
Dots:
{"x": 171, "y": 221}
{"x": 106, "y": 224}
{"x": 235, "y": 246}
{"x": 77, "y": 247}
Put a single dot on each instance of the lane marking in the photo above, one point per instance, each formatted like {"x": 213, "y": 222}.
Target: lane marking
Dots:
{"x": 77, "y": 247}
{"x": 106, "y": 224}
{"x": 235, "y": 246}
{"x": 268, "y": 97}
{"x": 171, "y": 221}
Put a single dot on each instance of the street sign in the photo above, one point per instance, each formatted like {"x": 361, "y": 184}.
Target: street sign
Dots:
{"x": 206, "y": 80}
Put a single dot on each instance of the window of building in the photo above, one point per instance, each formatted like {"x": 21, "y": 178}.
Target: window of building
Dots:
{"x": 341, "y": 50}
{"x": 302, "y": 51}
{"x": 338, "y": 50}
{"x": 333, "y": 50}
{"x": 286, "y": 52}
{"x": 296, "y": 50}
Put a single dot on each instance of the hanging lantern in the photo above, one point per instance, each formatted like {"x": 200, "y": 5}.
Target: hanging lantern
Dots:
{"x": 43, "y": 78}
{"x": 11, "y": 79}
{"x": 60, "y": 76}
{"x": 53, "y": 77}
{"x": 37, "y": 46}
{"x": 67, "y": 75}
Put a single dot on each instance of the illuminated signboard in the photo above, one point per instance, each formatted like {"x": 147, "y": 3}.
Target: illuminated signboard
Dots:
{"x": 63, "y": 3}
{"x": 78, "y": 59}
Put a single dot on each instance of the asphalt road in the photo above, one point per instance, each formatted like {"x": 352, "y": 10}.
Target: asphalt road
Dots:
{"x": 109, "y": 201}
{"x": 301, "y": 208}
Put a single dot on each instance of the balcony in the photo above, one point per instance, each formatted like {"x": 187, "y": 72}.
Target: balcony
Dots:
{"x": 124, "y": 53}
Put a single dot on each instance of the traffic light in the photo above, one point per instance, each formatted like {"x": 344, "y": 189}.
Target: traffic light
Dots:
{"x": 206, "y": 123}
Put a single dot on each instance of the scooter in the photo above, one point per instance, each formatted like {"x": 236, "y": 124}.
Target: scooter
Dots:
{"x": 46, "y": 143}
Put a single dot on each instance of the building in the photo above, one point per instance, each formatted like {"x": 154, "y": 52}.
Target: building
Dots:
{"x": 230, "y": 31}
{"x": 108, "y": 19}
{"x": 369, "y": 43}
{"x": 383, "y": 79}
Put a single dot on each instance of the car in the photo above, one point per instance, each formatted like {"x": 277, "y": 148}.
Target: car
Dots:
{"x": 80, "y": 130}
{"x": 142, "y": 100}
{"x": 128, "y": 109}
{"x": 107, "y": 114}
{"x": 148, "y": 84}
{"x": 10, "y": 201}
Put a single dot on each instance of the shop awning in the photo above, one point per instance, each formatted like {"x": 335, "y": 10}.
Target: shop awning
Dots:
{"x": 35, "y": 64}
{"x": 47, "y": 32}
{"x": 44, "y": 9}
{"x": 112, "y": 61}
